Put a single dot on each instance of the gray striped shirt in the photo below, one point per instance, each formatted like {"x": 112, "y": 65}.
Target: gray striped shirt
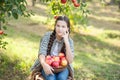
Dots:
{"x": 55, "y": 49}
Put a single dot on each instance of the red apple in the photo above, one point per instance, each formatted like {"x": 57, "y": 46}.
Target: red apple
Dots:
{"x": 63, "y": 58}
{"x": 76, "y": 4}
{"x": 63, "y": 1}
{"x": 55, "y": 64}
{"x": 1, "y": 32}
{"x": 61, "y": 55}
{"x": 55, "y": 17}
{"x": 48, "y": 57}
{"x": 56, "y": 58}
{"x": 73, "y": 1}
{"x": 63, "y": 62}
{"x": 49, "y": 60}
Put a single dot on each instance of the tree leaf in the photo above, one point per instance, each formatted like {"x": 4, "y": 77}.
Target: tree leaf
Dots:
{"x": 14, "y": 13}
{"x": 4, "y": 27}
{"x": 9, "y": 14}
{"x": 22, "y": 7}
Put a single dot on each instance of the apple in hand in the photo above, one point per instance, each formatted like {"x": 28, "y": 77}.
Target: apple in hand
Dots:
{"x": 55, "y": 64}
{"x": 56, "y": 58}
{"x": 48, "y": 60}
{"x": 61, "y": 55}
{"x": 48, "y": 57}
{"x": 63, "y": 62}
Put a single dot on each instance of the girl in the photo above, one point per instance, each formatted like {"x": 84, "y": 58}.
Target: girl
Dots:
{"x": 55, "y": 42}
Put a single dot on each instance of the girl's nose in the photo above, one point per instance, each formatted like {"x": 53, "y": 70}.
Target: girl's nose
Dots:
{"x": 60, "y": 28}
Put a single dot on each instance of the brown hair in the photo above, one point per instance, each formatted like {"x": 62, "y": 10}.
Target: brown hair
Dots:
{"x": 53, "y": 35}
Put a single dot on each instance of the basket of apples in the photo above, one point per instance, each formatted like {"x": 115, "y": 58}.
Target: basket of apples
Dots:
{"x": 58, "y": 63}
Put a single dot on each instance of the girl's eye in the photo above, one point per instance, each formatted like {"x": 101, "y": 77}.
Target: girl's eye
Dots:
{"x": 58, "y": 25}
{"x": 63, "y": 26}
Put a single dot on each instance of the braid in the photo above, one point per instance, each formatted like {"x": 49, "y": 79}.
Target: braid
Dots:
{"x": 63, "y": 49}
{"x": 52, "y": 38}
{"x": 53, "y": 35}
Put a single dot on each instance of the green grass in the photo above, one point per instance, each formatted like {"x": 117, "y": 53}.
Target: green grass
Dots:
{"x": 95, "y": 59}
{"x": 97, "y": 51}
{"x": 20, "y": 54}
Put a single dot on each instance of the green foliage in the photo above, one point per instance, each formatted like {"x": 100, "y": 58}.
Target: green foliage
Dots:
{"x": 77, "y": 14}
{"x": 12, "y": 8}
{"x": 94, "y": 58}
{"x": 117, "y": 0}
{"x": 2, "y": 42}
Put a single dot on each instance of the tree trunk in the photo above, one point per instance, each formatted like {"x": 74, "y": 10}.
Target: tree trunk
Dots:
{"x": 0, "y": 22}
{"x": 119, "y": 5}
{"x": 33, "y": 2}
{"x": 0, "y": 25}
{"x": 83, "y": 1}
{"x": 111, "y": 2}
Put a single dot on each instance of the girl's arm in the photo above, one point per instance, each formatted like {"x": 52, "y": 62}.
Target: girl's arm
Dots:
{"x": 69, "y": 54}
{"x": 47, "y": 69}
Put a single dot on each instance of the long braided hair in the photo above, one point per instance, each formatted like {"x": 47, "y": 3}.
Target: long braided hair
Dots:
{"x": 53, "y": 35}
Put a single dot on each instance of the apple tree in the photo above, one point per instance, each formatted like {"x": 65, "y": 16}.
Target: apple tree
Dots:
{"x": 14, "y": 8}
{"x": 118, "y": 2}
{"x": 76, "y": 10}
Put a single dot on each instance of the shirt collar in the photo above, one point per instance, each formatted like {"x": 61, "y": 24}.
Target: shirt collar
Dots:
{"x": 59, "y": 41}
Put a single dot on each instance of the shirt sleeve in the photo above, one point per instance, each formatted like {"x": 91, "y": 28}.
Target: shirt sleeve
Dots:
{"x": 71, "y": 46}
{"x": 43, "y": 44}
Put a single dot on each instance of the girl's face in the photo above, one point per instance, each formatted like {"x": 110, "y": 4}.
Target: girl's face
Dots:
{"x": 61, "y": 27}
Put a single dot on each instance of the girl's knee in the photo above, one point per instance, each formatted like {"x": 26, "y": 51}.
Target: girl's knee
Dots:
{"x": 51, "y": 77}
{"x": 48, "y": 77}
{"x": 61, "y": 77}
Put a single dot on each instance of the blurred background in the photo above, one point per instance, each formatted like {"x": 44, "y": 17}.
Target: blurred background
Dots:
{"x": 95, "y": 26}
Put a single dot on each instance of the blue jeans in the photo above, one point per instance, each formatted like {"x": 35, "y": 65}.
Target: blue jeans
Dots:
{"x": 56, "y": 76}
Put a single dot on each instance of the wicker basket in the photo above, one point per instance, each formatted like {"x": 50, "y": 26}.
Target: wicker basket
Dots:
{"x": 59, "y": 69}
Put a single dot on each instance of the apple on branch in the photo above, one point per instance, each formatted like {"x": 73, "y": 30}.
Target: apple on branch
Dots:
{"x": 63, "y": 1}
{"x": 76, "y": 4}
{"x": 73, "y": 1}
{"x": 1, "y": 32}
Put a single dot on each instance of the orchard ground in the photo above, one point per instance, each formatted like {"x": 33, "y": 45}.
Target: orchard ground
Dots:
{"x": 97, "y": 47}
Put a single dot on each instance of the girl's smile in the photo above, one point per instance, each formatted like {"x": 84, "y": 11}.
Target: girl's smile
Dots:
{"x": 61, "y": 27}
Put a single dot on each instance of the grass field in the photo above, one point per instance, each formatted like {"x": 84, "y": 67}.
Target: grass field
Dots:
{"x": 97, "y": 48}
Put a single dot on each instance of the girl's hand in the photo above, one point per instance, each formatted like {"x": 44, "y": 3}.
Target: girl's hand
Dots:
{"x": 65, "y": 35}
{"x": 47, "y": 69}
